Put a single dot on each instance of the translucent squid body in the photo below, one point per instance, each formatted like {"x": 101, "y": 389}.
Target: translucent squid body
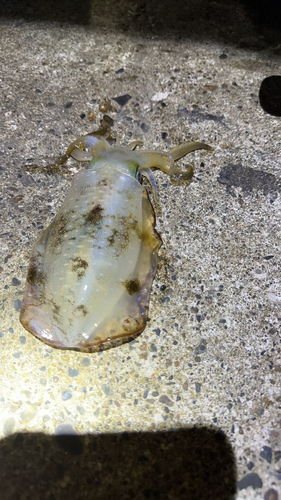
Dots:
{"x": 91, "y": 271}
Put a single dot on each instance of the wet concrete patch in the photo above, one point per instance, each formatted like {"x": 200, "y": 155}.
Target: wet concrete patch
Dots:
{"x": 248, "y": 179}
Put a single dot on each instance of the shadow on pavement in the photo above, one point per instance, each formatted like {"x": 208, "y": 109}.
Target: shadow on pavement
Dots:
{"x": 245, "y": 23}
{"x": 194, "y": 463}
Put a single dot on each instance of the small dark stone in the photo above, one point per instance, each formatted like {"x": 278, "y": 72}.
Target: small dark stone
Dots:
{"x": 153, "y": 348}
{"x": 107, "y": 390}
{"x": 38, "y": 91}
{"x": 164, "y": 135}
{"x": 162, "y": 300}
{"x": 251, "y": 479}
{"x": 16, "y": 282}
{"x": 250, "y": 465}
{"x": 198, "y": 387}
{"x": 277, "y": 456}
{"x": 72, "y": 372}
{"x": 86, "y": 362}
{"x": 165, "y": 400}
{"x": 270, "y": 95}
{"x": 266, "y": 453}
{"x": 81, "y": 410}
{"x": 82, "y": 116}
{"x": 17, "y": 305}
{"x": 121, "y": 70}
{"x": 199, "y": 349}
{"x": 26, "y": 180}
{"x": 122, "y": 99}
{"x": 22, "y": 339}
{"x": 145, "y": 394}
{"x": 157, "y": 331}
{"x": 268, "y": 257}
{"x": 155, "y": 394}
{"x": 223, "y": 56}
{"x": 144, "y": 127}
{"x": 66, "y": 395}
{"x": 271, "y": 494}
{"x": 68, "y": 105}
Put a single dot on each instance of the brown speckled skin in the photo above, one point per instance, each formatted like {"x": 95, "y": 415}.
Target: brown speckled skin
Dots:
{"x": 89, "y": 256}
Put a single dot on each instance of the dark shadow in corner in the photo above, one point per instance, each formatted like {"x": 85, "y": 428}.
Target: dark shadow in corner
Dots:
{"x": 63, "y": 11}
{"x": 266, "y": 13}
{"x": 243, "y": 23}
{"x": 194, "y": 463}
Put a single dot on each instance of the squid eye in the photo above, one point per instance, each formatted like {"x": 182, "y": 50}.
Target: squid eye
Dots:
{"x": 138, "y": 175}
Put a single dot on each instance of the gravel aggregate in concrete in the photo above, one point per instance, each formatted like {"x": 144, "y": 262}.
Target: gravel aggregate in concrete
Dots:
{"x": 191, "y": 408}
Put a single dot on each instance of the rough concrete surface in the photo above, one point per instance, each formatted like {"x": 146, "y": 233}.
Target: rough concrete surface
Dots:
{"x": 208, "y": 364}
